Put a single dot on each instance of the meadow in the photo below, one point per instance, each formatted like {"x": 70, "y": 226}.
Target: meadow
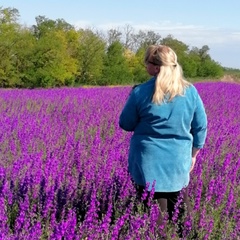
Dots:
{"x": 63, "y": 168}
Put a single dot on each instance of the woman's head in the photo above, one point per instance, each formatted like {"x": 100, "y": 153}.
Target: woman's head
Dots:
{"x": 161, "y": 61}
{"x": 160, "y": 55}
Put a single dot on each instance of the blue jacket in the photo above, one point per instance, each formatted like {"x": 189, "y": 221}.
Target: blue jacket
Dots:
{"x": 161, "y": 145}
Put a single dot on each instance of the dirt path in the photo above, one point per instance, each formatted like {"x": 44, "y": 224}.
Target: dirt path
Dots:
{"x": 230, "y": 79}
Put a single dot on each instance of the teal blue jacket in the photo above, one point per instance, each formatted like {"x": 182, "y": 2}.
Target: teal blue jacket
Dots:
{"x": 161, "y": 145}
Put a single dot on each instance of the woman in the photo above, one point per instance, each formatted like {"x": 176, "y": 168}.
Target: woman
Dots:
{"x": 169, "y": 123}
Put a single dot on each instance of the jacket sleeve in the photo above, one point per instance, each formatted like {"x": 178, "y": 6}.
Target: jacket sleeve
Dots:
{"x": 199, "y": 124}
{"x": 129, "y": 115}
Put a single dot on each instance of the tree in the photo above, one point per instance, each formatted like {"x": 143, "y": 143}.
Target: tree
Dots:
{"x": 203, "y": 52}
{"x": 127, "y": 37}
{"x": 90, "y": 55}
{"x": 115, "y": 70}
{"x": 180, "y": 48}
{"x": 21, "y": 60}
{"x": 145, "y": 38}
{"x": 140, "y": 74}
{"x": 210, "y": 68}
{"x": 206, "y": 67}
{"x": 9, "y": 15}
{"x": 188, "y": 64}
{"x": 52, "y": 64}
{"x": 53, "y": 53}
{"x": 9, "y": 32}
{"x": 113, "y": 35}
{"x": 44, "y": 25}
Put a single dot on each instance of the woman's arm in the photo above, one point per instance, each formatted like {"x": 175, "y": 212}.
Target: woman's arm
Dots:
{"x": 198, "y": 130}
{"x": 195, "y": 152}
{"x": 199, "y": 124}
{"x": 129, "y": 115}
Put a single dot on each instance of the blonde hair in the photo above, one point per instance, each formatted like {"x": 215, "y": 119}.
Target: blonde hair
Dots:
{"x": 170, "y": 81}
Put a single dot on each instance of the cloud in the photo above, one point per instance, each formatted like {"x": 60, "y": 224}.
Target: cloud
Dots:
{"x": 192, "y": 35}
{"x": 223, "y": 42}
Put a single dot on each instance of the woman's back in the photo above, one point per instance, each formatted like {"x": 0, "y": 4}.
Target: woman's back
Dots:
{"x": 161, "y": 145}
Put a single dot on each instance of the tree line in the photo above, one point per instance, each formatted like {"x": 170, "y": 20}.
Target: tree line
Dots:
{"x": 53, "y": 53}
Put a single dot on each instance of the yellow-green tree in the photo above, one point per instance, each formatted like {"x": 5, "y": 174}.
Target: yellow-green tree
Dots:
{"x": 116, "y": 70}
{"x": 89, "y": 55}
{"x": 9, "y": 37}
{"x": 53, "y": 58}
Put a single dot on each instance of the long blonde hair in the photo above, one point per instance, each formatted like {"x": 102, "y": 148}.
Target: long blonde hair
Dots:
{"x": 170, "y": 81}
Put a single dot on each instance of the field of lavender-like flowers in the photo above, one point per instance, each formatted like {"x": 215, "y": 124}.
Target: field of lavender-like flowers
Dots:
{"x": 63, "y": 167}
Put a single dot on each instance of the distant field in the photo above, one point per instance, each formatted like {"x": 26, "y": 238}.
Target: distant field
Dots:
{"x": 63, "y": 167}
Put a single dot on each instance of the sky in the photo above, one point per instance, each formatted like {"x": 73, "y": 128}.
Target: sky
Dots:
{"x": 195, "y": 23}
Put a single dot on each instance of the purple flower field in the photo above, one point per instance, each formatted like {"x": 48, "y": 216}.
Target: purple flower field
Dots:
{"x": 63, "y": 167}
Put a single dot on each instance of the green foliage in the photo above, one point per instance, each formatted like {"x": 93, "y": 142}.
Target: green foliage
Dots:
{"x": 52, "y": 53}
{"x": 209, "y": 68}
{"x": 21, "y": 62}
{"x": 9, "y": 32}
{"x": 52, "y": 65}
{"x": 140, "y": 74}
{"x": 179, "y": 47}
{"x": 186, "y": 59}
{"x": 145, "y": 38}
{"x": 115, "y": 68}
{"x": 89, "y": 53}
{"x": 189, "y": 67}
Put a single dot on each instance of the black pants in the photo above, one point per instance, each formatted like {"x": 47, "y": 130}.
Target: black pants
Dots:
{"x": 167, "y": 202}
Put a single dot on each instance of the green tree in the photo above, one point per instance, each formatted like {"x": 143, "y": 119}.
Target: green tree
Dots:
{"x": 116, "y": 70}
{"x": 9, "y": 33}
{"x": 196, "y": 59}
{"x": 140, "y": 74}
{"x": 113, "y": 35}
{"x": 53, "y": 53}
{"x": 180, "y": 48}
{"x": 210, "y": 68}
{"x": 206, "y": 66}
{"x": 53, "y": 56}
{"x": 145, "y": 38}
{"x": 90, "y": 54}
{"x": 187, "y": 63}
{"x": 21, "y": 61}
{"x": 52, "y": 65}
{"x": 44, "y": 25}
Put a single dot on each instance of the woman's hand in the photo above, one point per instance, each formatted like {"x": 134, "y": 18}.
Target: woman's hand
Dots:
{"x": 193, "y": 163}
{"x": 195, "y": 152}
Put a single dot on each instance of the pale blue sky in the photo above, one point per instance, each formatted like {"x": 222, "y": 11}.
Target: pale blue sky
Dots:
{"x": 196, "y": 23}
